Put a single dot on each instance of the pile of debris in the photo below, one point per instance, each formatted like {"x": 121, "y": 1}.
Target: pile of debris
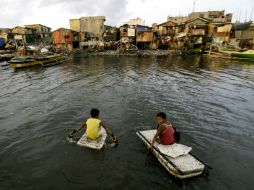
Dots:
{"x": 6, "y": 55}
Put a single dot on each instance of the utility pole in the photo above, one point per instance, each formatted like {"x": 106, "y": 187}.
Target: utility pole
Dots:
{"x": 237, "y": 15}
{"x": 245, "y": 20}
{"x": 194, "y": 4}
{"x": 251, "y": 14}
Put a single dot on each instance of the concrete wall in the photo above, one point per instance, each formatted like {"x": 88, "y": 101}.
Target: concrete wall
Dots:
{"x": 178, "y": 19}
{"x": 62, "y": 36}
{"x": 136, "y": 21}
{"x": 43, "y": 32}
{"x": 40, "y": 29}
{"x": 75, "y": 25}
{"x": 93, "y": 24}
{"x": 215, "y": 16}
{"x": 23, "y": 30}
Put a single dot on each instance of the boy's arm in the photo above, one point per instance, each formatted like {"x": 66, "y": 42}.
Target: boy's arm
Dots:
{"x": 82, "y": 126}
{"x": 77, "y": 130}
{"x": 173, "y": 127}
{"x": 156, "y": 136}
{"x": 113, "y": 137}
{"x": 106, "y": 128}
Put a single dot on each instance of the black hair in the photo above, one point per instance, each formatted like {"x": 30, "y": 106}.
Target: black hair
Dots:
{"x": 162, "y": 115}
{"x": 94, "y": 112}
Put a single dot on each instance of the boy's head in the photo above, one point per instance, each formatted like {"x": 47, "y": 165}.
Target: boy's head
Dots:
{"x": 95, "y": 113}
{"x": 161, "y": 118}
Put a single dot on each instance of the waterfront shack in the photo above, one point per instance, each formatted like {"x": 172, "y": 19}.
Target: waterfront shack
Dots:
{"x": 91, "y": 24}
{"x": 127, "y": 33}
{"x": 24, "y": 35}
{"x": 197, "y": 30}
{"x": 144, "y": 37}
{"x": 42, "y": 32}
{"x": 243, "y": 33}
{"x": 128, "y": 30}
{"x": 222, "y": 34}
{"x": 65, "y": 39}
{"x": 167, "y": 31}
{"x": 5, "y": 36}
{"x": 111, "y": 33}
{"x": 110, "y": 37}
{"x": 90, "y": 29}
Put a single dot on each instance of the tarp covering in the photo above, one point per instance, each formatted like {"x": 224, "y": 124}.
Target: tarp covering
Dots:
{"x": 226, "y": 28}
{"x": 1, "y": 42}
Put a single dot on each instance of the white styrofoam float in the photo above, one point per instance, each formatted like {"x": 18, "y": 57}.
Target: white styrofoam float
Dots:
{"x": 93, "y": 144}
{"x": 175, "y": 158}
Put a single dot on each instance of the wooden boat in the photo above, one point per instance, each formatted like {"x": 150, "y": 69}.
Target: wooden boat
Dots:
{"x": 224, "y": 56}
{"x": 23, "y": 62}
{"x": 230, "y": 53}
{"x": 245, "y": 54}
{"x": 182, "y": 166}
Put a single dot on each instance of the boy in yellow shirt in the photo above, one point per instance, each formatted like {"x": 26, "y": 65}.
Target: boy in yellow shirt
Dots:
{"x": 93, "y": 126}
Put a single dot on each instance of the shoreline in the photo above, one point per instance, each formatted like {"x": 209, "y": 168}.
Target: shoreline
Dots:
{"x": 138, "y": 53}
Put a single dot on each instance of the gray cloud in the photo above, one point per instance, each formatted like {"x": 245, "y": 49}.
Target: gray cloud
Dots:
{"x": 17, "y": 12}
{"x": 56, "y": 13}
{"x": 114, "y": 10}
{"x": 12, "y": 12}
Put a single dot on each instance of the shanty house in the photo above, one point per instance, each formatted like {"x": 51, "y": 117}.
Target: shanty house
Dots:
{"x": 168, "y": 31}
{"x": 197, "y": 30}
{"x": 110, "y": 33}
{"x": 144, "y": 36}
{"x": 64, "y": 38}
{"x": 42, "y": 32}
{"x": 24, "y": 35}
{"x": 5, "y": 35}
{"x": 244, "y": 34}
{"x": 127, "y": 33}
{"x": 167, "y": 28}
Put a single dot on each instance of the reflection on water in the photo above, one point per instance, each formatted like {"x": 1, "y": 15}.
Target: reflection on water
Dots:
{"x": 209, "y": 100}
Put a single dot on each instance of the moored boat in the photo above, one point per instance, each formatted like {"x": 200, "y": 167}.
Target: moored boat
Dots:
{"x": 245, "y": 54}
{"x": 29, "y": 61}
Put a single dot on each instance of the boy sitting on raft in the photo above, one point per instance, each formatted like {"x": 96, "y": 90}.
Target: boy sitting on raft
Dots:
{"x": 165, "y": 132}
{"x": 93, "y": 126}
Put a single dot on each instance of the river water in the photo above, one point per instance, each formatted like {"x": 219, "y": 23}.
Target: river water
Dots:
{"x": 210, "y": 101}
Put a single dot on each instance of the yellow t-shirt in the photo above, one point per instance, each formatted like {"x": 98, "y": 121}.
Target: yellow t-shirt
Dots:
{"x": 93, "y": 128}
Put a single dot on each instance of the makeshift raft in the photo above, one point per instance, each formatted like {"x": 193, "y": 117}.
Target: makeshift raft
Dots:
{"x": 93, "y": 144}
{"x": 180, "y": 163}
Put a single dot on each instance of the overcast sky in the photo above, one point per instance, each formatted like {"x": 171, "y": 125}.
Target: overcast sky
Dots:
{"x": 56, "y": 13}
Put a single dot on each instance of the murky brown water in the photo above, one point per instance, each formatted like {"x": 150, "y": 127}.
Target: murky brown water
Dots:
{"x": 210, "y": 101}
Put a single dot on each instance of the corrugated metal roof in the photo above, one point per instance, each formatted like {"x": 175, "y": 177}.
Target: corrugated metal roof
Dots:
{"x": 143, "y": 28}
